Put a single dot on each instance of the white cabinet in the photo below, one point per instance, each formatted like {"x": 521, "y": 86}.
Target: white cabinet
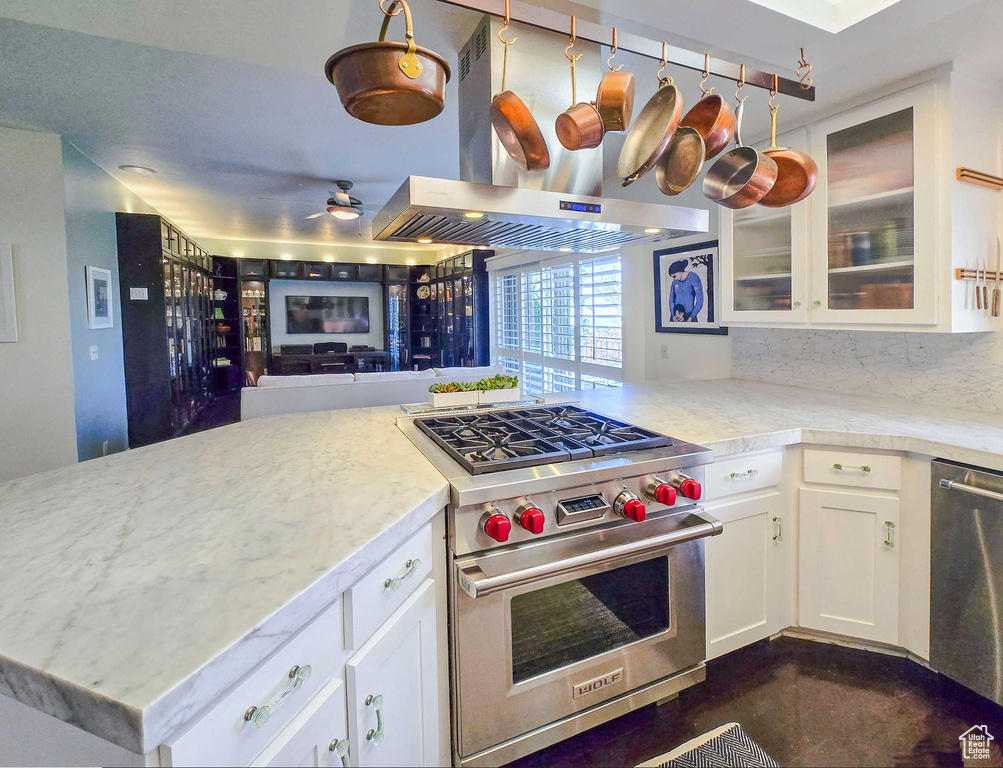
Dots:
{"x": 848, "y": 573}
{"x": 317, "y": 737}
{"x": 746, "y": 570}
{"x": 393, "y": 689}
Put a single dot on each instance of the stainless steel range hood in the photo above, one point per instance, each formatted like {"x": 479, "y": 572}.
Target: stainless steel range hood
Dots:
{"x": 446, "y": 211}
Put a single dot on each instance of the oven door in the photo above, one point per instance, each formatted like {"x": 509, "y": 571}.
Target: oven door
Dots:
{"x": 548, "y": 629}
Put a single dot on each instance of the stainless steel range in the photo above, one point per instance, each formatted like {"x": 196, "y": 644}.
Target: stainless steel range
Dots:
{"x": 576, "y": 571}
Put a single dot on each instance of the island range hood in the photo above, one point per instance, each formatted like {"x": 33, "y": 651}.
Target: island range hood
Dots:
{"x": 497, "y": 204}
{"x": 489, "y": 216}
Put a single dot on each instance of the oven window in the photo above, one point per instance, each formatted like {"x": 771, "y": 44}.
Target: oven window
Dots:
{"x": 570, "y": 622}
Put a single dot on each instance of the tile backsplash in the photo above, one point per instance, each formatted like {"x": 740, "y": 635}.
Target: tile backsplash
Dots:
{"x": 952, "y": 371}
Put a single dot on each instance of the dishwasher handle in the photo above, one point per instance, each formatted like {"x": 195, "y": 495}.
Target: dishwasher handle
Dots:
{"x": 954, "y": 485}
{"x": 476, "y": 583}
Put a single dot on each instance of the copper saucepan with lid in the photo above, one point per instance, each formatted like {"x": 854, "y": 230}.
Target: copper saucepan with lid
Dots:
{"x": 390, "y": 83}
{"x": 580, "y": 126}
{"x": 743, "y": 176}
{"x": 615, "y": 97}
{"x": 517, "y": 129}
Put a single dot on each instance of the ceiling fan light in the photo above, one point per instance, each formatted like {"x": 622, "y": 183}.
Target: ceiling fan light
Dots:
{"x": 345, "y": 214}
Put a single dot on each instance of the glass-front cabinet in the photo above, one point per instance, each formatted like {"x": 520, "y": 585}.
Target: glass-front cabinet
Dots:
{"x": 874, "y": 213}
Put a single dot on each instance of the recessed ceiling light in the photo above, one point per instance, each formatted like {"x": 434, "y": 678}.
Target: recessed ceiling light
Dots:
{"x": 139, "y": 170}
{"x": 286, "y": 256}
{"x": 564, "y": 250}
{"x": 329, "y": 259}
{"x": 473, "y": 215}
{"x": 411, "y": 262}
{"x": 370, "y": 260}
{"x": 345, "y": 214}
{"x": 651, "y": 230}
{"x": 238, "y": 254}
{"x": 425, "y": 240}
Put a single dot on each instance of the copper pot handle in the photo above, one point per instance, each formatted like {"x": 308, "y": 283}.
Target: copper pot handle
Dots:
{"x": 409, "y": 63}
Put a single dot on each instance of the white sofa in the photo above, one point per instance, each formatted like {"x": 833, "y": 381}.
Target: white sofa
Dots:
{"x": 334, "y": 391}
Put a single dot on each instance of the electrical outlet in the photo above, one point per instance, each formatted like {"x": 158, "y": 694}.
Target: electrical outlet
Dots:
{"x": 104, "y": 448}
{"x": 665, "y": 351}
{"x": 94, "y": 352}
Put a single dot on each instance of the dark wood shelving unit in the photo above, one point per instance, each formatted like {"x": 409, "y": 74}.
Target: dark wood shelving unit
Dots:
{"x": 228, "y": 377}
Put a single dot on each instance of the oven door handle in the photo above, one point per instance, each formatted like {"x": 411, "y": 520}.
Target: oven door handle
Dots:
{"x": 476, "y": 583}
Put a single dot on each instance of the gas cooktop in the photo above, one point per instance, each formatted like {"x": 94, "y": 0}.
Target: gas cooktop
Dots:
{"x": 525, "y": 437}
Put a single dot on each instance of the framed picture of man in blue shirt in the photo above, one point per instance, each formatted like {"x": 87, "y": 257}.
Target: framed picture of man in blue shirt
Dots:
{"x": 684, "y": 289}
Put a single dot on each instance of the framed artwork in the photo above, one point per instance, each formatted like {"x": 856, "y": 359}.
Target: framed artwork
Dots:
{"x": 685, "y": 289}
{"x": 99, "y": 298}
{"x": 8, "y": 312}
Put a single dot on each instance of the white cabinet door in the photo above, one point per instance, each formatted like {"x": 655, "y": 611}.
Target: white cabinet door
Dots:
{"x": 317, "y": 737}
{"x": 393, "y": 689}
{"x": 848, "y": 572}
{"x": 746, "y": 573}
{"x": 764, "y": 259}
{"x": 874, "y": 213}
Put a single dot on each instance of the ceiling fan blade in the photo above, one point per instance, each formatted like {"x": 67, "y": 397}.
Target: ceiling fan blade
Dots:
{"x": 316, "y": 215}
{"x": 342, "y": 198}
{"x": 293, "y": 202}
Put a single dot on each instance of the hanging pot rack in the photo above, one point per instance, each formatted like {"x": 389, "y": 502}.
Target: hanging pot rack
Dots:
{"x": 534, "y": 16}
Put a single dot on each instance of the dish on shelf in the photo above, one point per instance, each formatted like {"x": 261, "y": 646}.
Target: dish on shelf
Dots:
{"x": 424, "y": 292}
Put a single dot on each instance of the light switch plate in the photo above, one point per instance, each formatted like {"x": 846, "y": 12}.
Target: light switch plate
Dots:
{"x": 139, "y": 294}
{"x": 94, "y": 352}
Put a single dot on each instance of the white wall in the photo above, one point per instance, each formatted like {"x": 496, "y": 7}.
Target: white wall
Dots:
{"x": 37, "y": 430}
{"x": 279, "y": 289}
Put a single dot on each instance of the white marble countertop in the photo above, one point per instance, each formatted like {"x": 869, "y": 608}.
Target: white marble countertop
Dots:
{"x": 134, "y": 590}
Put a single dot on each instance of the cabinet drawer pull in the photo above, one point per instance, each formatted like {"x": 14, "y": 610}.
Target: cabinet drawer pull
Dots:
{"x": 258, "y": 716}
{"x": 376, "y": 702}
{"x": 410, "y": 568}
{"x": 779, "y": 523}
{"x": 889, "y": 533}
{"x": 841, "y": 468}
{"x": 746, "y": 475}
{"x": 340, "y": 749}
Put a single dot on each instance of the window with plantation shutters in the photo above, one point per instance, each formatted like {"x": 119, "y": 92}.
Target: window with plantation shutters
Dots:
{"x": 559, "y": 325}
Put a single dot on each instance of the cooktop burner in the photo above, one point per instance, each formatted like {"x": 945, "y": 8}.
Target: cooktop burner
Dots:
{"x": 491, "y": 442}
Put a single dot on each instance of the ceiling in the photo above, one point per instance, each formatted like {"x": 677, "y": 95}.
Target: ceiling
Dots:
{"x": 830, "y": 15}
{"x": 228, "y": 101}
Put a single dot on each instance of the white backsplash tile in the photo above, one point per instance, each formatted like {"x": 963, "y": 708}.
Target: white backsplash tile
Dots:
{"x": 956, "y": 371}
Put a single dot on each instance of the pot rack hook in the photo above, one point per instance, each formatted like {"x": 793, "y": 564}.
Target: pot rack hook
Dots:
{"x": 572, "y": 58}
{"x": 664, "y": 62}
{"x": 706, "y": 73}
{"x": 612, "y": 53}
{"x": 741, "y": 84}
{"x": 773, "y": 92}
{"x": 804, "y": 72}
{"x": 387, "y": 10}
{"x": 505, "y": 26}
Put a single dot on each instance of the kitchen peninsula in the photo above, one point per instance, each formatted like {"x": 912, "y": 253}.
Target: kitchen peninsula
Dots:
{"x": 183, "y": 573}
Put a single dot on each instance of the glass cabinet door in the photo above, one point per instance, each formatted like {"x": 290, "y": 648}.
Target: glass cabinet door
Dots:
{"x": 764, "y": 258}
{"x": 398, "y": 310}
{"x": 873, "y": 236}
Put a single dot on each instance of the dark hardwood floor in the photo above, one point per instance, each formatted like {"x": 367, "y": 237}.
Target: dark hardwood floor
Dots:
{"x": 807, "y": 704}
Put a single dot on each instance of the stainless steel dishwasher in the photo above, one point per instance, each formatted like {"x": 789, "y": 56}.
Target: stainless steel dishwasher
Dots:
{"x": 966, "y": 634}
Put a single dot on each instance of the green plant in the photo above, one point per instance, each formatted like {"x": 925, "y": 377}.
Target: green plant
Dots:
{"x": 453, "y": 386}
{"x": 501, "y": 381}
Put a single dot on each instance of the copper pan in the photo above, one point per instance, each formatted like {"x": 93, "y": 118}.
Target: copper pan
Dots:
{"x": 615, "y": 97}
{"x": 515, "y": 125}
{"x": 797, "y": 173}
{"x": 580, "y": 126}
{"x": 741, "y": 177}
{"x": 682, "y": 162}
{"x": 649, "y": 136}
{"x": 389, "y": 83}
{"x": 712, "y": 116}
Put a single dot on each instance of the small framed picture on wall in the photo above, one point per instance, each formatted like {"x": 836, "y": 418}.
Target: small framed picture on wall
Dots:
{"x": 99, "y": 298}
{"x": 685, "y": 291}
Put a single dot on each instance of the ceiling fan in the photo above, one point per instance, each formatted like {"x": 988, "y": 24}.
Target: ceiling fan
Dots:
{"x": 340, "y": 205}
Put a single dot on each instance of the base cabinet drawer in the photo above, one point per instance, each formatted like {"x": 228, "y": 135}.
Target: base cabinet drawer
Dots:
{"x": 317, "y": 737}
{"x": 742, "y": 474}
{"x": 393, "y": 689}
{"x": 229, "y": 733}
{"x": 857, "y": 470}
{"x": 746, "y": 567}
{"x": 848, "y": 564}
{"x": 384, "y": 589}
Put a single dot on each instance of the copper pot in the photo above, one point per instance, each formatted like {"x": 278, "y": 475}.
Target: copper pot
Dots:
{"x": 580, "y": 127}
{"x": 682, "y": 162}
{"x": 650, "y": 135}
{"x": 615, "y": 97}
{"x": 743, "y": 176}
{"x": 714, "y": 118}
{"x": 797, "y": 173}
{"x": 390, "y": 83}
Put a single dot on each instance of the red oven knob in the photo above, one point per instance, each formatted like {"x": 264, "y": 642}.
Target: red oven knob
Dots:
{"x": 531, "y": 518}
{"x": 629, "y": 506}
{"x": 662, "y": 492}
{"x": 688, "y": 487}
{"x": 497, "y": 526}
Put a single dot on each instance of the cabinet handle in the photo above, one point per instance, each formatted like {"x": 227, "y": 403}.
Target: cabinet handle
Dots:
{"x": 889, "y": 533}
{"x": 779, "y": 523}
{"x": 340, "y": 749}
{"x": 817, "y": 303}
{"x": 797, "y": 305}
{"x": 746, "y": 475}
{"x": 376, "y": 702}
{"x": 258, "y": 716}
{"x": 841, "y": 468}
{"x": 410, "y": 568}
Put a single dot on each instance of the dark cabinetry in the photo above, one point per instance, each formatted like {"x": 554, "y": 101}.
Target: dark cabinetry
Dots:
{"x": 256, "y": 342}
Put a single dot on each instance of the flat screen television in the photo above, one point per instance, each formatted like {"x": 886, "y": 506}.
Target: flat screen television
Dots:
{"x": 327, "y": 314}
